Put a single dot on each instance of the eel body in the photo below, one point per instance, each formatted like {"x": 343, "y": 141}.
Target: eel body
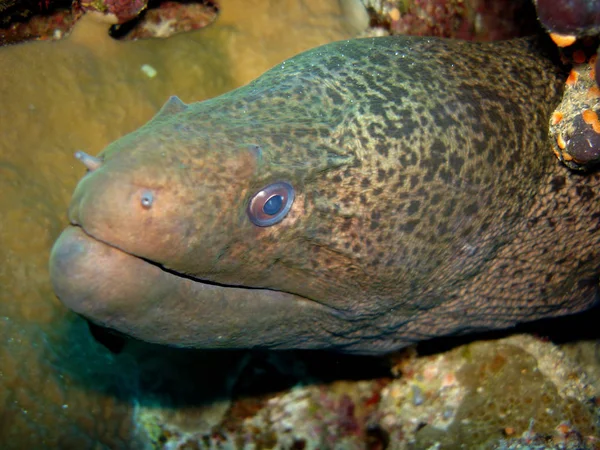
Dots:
{"x": 358, "y": 197}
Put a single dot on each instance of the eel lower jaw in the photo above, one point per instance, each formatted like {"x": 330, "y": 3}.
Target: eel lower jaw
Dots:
{"x": 141, "y": 299}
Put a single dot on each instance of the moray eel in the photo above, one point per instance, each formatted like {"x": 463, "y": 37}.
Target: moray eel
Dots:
{"x": 358, "y": 197}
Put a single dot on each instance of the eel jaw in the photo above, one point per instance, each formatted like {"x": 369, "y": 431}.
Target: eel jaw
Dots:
{"x": 134, "y": 296}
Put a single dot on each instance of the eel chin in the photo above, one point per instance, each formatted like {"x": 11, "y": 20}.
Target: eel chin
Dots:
{"x": 129, "y": 294}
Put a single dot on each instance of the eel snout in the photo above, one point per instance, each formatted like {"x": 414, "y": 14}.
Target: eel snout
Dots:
{"x": 94, "y": 279}
{"x": 132, "y": 295}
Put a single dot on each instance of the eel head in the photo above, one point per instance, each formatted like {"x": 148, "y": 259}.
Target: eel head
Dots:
{"x": 176, "y": 234}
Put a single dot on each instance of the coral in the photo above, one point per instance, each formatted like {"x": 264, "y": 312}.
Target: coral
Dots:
{"x": 597, "y": 68}
{"x": 574, "y": 126}
{"x": 122, "y": 10}
{"x": 52, "y": 25}
{"x": 14, "y": 11}
{"x": 506, "y": 394}
{"x": 470, "y": 19}
{"x": 128, "y": 22}
{"x": 172, "y": 18}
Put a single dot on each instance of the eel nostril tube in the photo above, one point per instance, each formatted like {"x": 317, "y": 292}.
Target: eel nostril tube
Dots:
{"x": 91, "y": 162}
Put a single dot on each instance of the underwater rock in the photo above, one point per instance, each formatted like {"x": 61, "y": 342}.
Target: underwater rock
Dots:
{"x": 168, "y": 19}
{"x": 124, "y": 20}
{"x": 468, "y": 19}
{"x": 516, "y": 387}
{"x": 570, "y": 17}
{"x": 574, "y": 126}
{"x": 121, "y": 10}
{"x": 482, "y": 395}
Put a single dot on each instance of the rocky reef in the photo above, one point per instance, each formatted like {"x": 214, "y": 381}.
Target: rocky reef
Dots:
{"x": 575, "y": 26}
{"x": 517, "y": 392}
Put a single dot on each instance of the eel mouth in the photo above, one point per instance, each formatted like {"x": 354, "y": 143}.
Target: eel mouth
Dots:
{"x": 140, "y": 298}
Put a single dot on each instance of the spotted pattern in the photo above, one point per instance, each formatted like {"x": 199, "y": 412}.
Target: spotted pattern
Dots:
{"x": 427, "y": 198}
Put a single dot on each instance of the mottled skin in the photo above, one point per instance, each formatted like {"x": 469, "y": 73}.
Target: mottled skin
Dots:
{"x": 428, "y": 202}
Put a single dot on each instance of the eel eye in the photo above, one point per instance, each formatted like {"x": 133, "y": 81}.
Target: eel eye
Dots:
{"x": 271, "y": 204}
